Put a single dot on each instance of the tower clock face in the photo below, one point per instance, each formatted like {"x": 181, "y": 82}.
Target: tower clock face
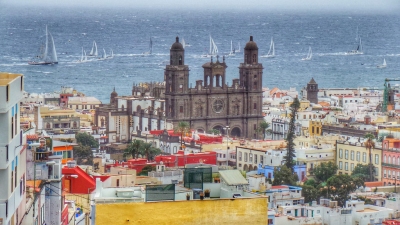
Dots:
{"x": 218, "y": 105}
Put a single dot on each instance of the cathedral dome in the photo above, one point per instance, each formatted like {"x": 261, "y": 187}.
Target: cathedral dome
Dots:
{"x": 251, "y": 45}
{"x": 177, "y": 46}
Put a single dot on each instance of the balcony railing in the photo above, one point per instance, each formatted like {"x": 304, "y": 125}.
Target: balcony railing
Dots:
{"x": 391, "y": 165}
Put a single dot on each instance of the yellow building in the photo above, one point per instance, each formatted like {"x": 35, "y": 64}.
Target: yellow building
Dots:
{"x": 209, "y": 211}
{"x": 315, "y": 128}
{"x": 348, "y": 155}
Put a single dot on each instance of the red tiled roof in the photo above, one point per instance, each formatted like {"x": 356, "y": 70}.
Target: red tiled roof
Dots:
{"x": 32, "y": 137}
{"x": 374, "y": 184}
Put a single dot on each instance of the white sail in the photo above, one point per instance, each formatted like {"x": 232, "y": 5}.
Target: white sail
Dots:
{"x": 82, "y": 56}
{"x": 271, "y": 51}
{"x": 94, "y": 52}
{"x": 358, "y": 51}
{"x": 213, "y": 49}
{"x": 309, "y": 55}
{"x": 383, "y": 64}
{"x": 232, "y": 52}
{"x": 46, "y": 48}
{"x": 211, "y": 40}
{"x": 104, "y": 54}
{"x": 183, "y": 43}
{"x": 238, "y": 49}
{"x": 48, "y": 53}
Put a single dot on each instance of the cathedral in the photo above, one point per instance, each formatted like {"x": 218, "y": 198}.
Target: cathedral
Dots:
{"x": 212, "y": 104}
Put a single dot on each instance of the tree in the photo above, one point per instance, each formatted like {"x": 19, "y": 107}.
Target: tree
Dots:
{"x": 283, "y": 175}
{"x": 310, "y": 193}
{"x": 369, "y": 144}
{"x": 83, "y": 155}
{"x": 324, "y": 171}
{"x": 86, "y": 140}
{"x": 361, "y": 171}
{"x": 146, "y": 170}
{"x": 339, "y": 187}
{"x": 294, "y": 107}
{"x": 182, "y": 128}
{"x": 149, "y": 151}
{"x": 263, "y": 127}
{"x": 133, "y": 149}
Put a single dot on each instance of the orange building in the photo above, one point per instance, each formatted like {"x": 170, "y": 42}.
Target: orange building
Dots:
{"x": 65, "y": 149}
{"x": 391, "y": 161}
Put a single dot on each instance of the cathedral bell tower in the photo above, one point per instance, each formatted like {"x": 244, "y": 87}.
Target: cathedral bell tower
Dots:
{"x": 250, "y": 70}
{"x": 312, "y": 91}
{"x": 176, "y": 77}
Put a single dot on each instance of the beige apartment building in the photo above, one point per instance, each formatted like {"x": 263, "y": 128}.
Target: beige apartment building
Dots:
{"x": 348, "y": 155}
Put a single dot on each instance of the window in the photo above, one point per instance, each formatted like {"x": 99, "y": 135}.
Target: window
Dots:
{"x": 384, "y": 173}
{"x": 389, "y": 160}
{"x": 341, "y": 153}
{"x": 340, "y": 165}
{"x": 255, "y": 105}
{"x": 364, "y": 157}
{"x": 352, "y": 167}
{"x": 7, "y": 93}
{"x": 377, "y": 159}
{"x": 377, "y": 171}
{"x": 255, "y": 158}
{"x": 358, "y": 157}
{"x": 352, "y": 155}
{"x": 240, "y": 156}
{"x": 346, "y": 166}
{"x": 251, "y": 157}
{"x": 181, "y": 109}
{"x": 254, "y": 58}
{"x": 245, "y": 156}
{"x": 384, "y": 159}
{"x": 398, "y": 160}
{"x": 346, "y": 154}
{"x": 255, "y": 126}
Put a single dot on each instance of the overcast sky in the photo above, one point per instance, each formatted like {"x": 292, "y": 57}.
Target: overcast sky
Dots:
{"x": 313, "y": 5}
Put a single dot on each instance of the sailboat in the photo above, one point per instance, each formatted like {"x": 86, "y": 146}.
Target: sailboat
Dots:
{"x": 104, "y": 55}
{"x": 309, "y": 55}
{"x": 358, "y": 50}
{"x": 111, "y": 54}
{"x": 93, "y": 52}
{"x": 48, "y": 54}
{"x": 183, "y": 43}
{"x": 383, "y": 64}
{"x": 83, "y": 56}
{"x": 232, "y": 52}
{"x": 271, "y": 52}
{"x": 150, "y": 48}
{"x": 213, "y": 49}
{"x": 238, "y": 49}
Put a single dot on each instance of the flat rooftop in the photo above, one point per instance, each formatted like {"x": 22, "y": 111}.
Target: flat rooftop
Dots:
{"x": 7, "y": 78}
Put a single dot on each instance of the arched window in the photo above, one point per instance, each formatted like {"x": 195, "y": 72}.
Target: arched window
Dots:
{"x": 180, "y": 60}
{"x": 377, "y": 159}
{"x": 251, "y": 157}
{"x": 254, "y": 58}
{"x": 384, "y": 159}
{"x": 398, "y": 160}
{"x": 389, "y": 160}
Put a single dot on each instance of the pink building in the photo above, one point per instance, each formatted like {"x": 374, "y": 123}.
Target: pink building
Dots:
{"x": 391, "y": 161}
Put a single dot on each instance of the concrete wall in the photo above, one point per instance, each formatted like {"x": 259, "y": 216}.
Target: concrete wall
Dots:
{"x": 219, "y": 211}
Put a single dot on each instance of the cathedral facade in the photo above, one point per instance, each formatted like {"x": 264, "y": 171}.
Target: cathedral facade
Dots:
{"x": 212, "y": 104}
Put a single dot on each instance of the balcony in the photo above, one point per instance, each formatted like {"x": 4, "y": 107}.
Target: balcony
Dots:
{"x": 391, "y": 165}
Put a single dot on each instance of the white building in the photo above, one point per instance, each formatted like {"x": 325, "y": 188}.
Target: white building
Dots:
{"x": 12, "y": 150}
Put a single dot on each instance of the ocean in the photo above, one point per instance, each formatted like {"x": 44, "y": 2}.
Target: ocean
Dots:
{"x": 128, "y": 31}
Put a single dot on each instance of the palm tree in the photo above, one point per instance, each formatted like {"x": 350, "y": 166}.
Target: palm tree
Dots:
{"x": 133, "y": 149}
{"x": 263, "y": 127}
{"x": 369, "y": 144}
{"x": 182, "y": 128}
{"x": 146, "y": 149}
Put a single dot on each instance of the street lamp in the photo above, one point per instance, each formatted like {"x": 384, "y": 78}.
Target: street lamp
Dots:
{"x": 227, "y": 128}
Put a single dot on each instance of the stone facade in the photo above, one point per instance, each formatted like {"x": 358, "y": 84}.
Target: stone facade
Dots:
{"x": 212, "y": 104}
